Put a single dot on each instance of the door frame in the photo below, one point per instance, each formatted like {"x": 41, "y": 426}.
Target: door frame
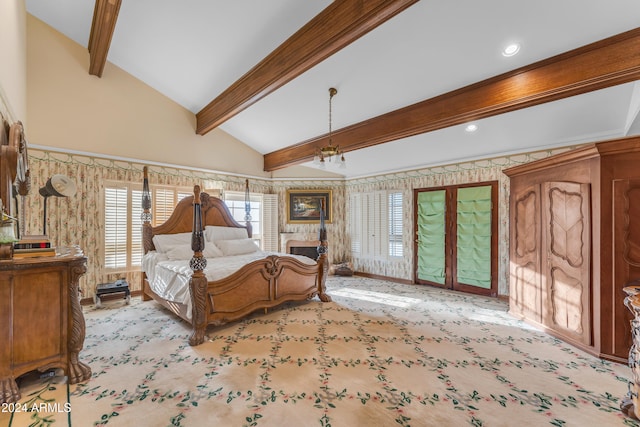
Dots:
{"x": 451, "y": 192}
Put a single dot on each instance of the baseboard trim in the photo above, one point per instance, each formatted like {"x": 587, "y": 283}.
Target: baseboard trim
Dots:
{"x": 504, "y": 298}
{"x": 388, "y": 279}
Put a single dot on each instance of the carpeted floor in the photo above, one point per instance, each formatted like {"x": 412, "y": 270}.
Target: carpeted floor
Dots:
{"x": 381, "y": 354}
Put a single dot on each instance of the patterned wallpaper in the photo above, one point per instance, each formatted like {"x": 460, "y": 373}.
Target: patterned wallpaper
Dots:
{"x": 335, "y": 229}
{"x": 461, "y": 173}
{"x": 78, "y": 220}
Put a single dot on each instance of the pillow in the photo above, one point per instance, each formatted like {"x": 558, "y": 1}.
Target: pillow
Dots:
{"x": 184, "y": 251}
{"x": 237, "y": 246}
{"x": 214, "y": 233}
{"x": 211, "y": 250}
{"x": 180, "y": 252}
{"x": 164, "y": 242}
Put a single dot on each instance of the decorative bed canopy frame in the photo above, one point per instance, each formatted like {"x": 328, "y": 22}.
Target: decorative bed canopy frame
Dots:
{"x": 261, "y": 284}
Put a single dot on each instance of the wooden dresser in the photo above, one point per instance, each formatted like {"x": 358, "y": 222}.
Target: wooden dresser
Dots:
{"x": 41, "y": 320}
{"x": 575, "y": 243}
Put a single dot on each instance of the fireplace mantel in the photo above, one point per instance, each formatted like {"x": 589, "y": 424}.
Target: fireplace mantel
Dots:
{"x": 298, "y": 240}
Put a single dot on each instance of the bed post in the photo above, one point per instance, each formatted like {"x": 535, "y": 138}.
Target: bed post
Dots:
{"x": 247, "y": 209}
{"x": 198, "y": 281}
{"x": 146, "y": 217}
{"x": 323, "y": 260}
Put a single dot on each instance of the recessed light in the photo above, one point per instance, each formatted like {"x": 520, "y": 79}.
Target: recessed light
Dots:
{"x": 472, "y": 127}
{"x": 511, "y": 49}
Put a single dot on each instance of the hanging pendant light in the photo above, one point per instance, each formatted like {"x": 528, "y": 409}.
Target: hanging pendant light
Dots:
{"x": 330, "y": 153}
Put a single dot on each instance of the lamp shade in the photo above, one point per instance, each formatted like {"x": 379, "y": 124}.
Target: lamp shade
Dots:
{"x": 59, "y": 186}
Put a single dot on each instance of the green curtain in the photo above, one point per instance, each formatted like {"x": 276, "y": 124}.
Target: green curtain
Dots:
{"x": 431, "y": 236}
{"x": 474, "y": 236}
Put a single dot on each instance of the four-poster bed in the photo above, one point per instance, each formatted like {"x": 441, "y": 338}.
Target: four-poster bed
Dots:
{"x": 214, "y": 294}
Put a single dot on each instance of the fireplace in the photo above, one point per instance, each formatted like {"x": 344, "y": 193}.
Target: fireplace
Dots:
{"x": 300, "y": 244}
{"x": 308, "y": 251}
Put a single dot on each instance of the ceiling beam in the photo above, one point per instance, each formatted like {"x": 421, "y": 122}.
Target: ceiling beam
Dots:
{"x": 602, "y": 64}
{"x": 339, "y": 24}
{"x": 105, "y": 15}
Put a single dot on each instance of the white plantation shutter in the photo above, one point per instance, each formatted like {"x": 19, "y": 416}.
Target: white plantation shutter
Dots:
{"x": 163, "y": 200}
{"x": 115, "y": 219}
{"x": 374, "y": 219}
{"x": 375, "y": 224}
{"x": 270, "y": 232}
{"x": 182, "y": 193}
{"x": 368, "y": 220}
{"x": 378, "y": 220}
{"x": 123, "y": 248}
{"x": 356, "y": 223}
{"x": 136, "y": 228}
{"x": 395, "y": 224}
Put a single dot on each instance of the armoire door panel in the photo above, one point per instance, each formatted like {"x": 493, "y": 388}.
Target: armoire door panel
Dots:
{"x": 566, "y": 295}
{"x": 567, "y": 237}
{"x": 626, "y": 246}
{"x": 525, "y": 294}
{"x": 527, "y": 223}
{"x": 631, "y": 241}
{"x": 526, "y": 297}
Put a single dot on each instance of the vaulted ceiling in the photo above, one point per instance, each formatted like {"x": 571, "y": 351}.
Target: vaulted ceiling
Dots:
{"x": 410, "y": 74}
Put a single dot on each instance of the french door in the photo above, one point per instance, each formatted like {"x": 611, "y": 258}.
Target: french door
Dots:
{"x": 456, "y": 237}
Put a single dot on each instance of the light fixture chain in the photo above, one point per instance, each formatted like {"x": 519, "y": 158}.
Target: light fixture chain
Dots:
{"x": 332, "y": 92}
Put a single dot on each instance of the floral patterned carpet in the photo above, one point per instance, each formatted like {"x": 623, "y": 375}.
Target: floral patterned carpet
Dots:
{"x": 380, "y": 354}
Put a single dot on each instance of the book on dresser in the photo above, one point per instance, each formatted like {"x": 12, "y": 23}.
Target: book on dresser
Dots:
{"x": 33, "y": 246}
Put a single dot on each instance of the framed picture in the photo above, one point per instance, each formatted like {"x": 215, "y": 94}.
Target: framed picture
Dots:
{"x": 303, "y": 206}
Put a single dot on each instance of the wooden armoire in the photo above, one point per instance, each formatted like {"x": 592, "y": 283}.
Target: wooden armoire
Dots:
{"x": 575, "y": 243}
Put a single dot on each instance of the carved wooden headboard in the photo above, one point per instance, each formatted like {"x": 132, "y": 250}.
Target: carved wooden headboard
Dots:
{"x": 214, "y": 212}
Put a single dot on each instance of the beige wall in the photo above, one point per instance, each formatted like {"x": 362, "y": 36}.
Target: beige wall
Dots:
{"x": 13, "y": 65}
{"x": 116, "y": 115}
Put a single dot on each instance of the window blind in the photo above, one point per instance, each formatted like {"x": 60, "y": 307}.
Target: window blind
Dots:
{"x": 376, "y": 224}
{"x": 115, "y": 219}
{"x": 122, "y": 245}
{"x": 395, "y": 224}
{"x": 270, "y": 229}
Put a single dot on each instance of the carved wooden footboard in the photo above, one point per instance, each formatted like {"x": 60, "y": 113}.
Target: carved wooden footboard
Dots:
{"x": 262, "y": 284}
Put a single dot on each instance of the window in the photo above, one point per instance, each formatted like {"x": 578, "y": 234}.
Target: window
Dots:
{"x": 264, "y": 216}
{"x": 376, "y": 224}
{"x": 164, "y": 200}
{"x": 355, "y": 215}
{"x": 395, "y": 224}
{"x": 123, "y": 228}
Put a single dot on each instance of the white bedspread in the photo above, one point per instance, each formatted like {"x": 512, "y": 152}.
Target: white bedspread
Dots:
{"x": 170, "y": 278}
